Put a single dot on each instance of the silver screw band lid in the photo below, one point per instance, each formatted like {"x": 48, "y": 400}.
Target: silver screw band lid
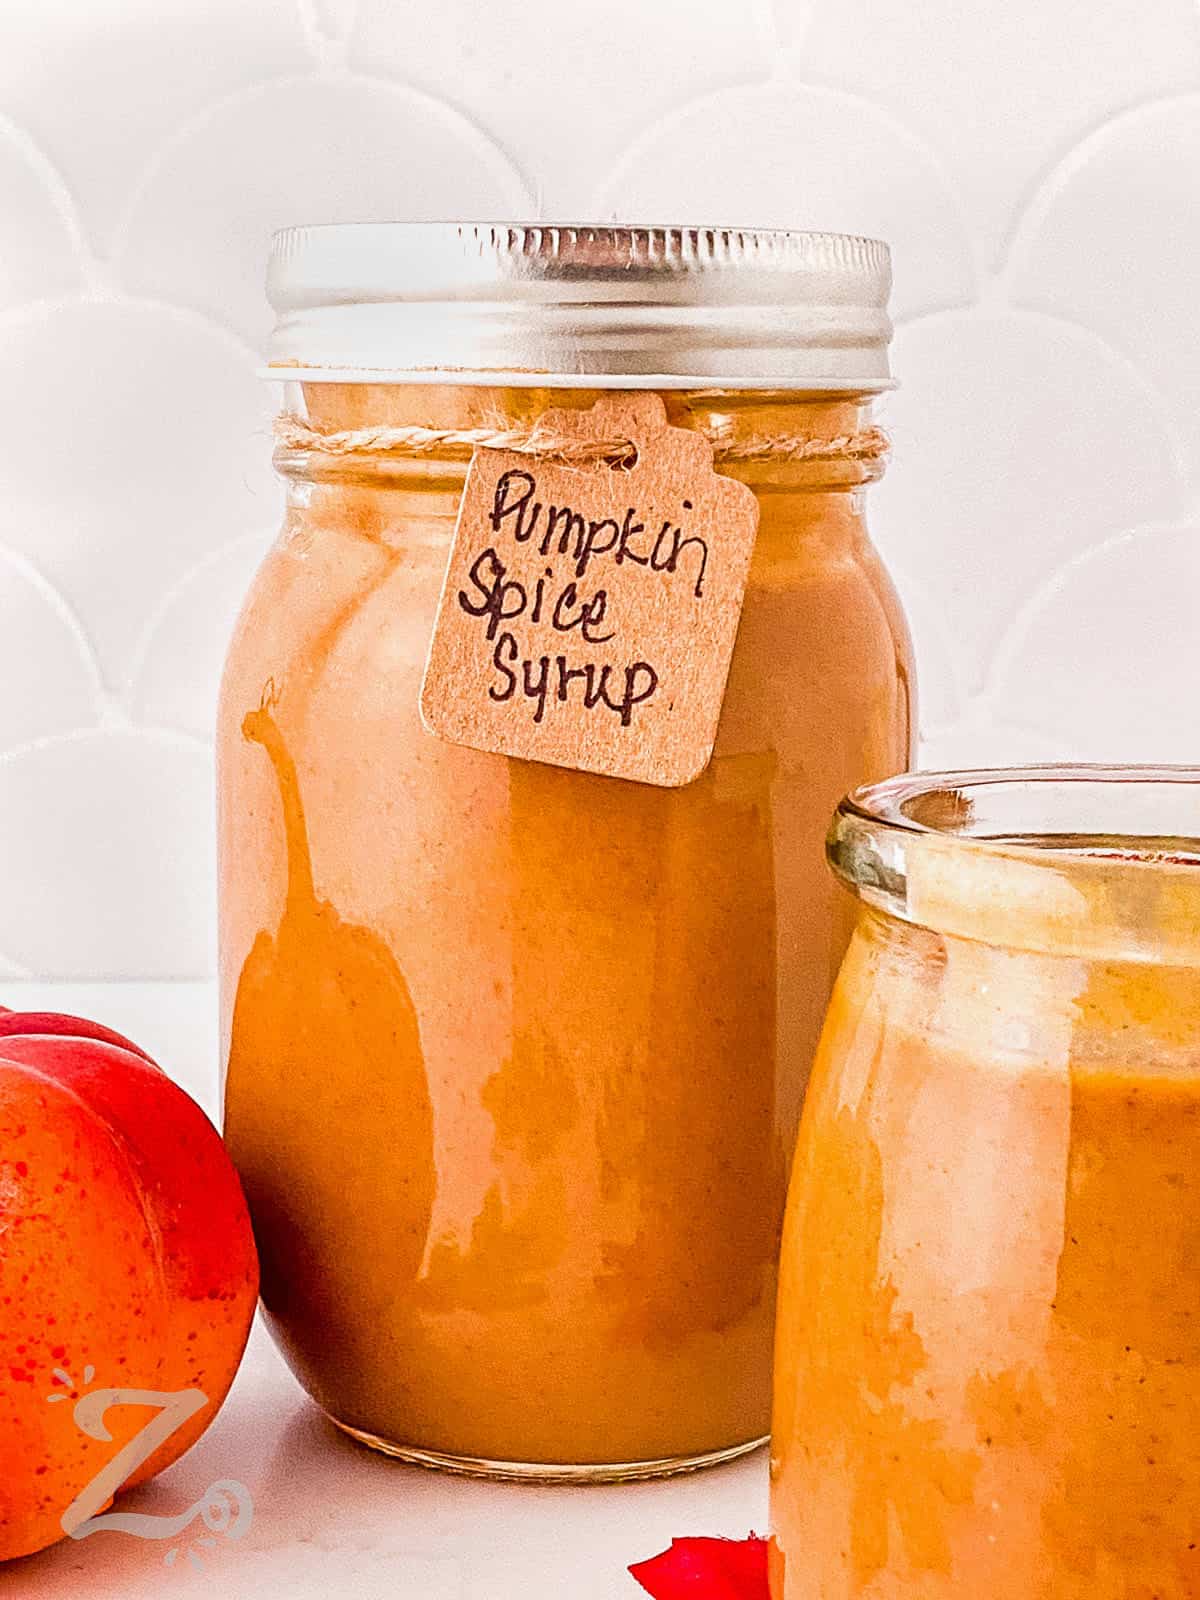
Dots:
{"x": 621, "y": 307}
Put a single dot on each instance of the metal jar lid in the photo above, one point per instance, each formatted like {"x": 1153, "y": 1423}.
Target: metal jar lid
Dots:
{"x": 589, "y": 307}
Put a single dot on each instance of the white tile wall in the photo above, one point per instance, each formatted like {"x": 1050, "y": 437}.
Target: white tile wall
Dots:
{"x": 1036, "y": 166}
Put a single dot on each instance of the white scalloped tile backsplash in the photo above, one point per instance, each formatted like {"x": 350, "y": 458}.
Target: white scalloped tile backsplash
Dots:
{"x": 1036, "y": 167}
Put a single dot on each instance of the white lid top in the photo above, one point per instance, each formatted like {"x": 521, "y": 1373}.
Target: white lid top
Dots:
{"x": 588, "y": 307}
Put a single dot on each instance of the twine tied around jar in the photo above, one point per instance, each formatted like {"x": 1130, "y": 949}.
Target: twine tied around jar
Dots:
{"x": 296, "y": 433}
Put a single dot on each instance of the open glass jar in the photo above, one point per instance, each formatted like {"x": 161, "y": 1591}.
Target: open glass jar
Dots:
{"x": 988, "y": 1351}
{"x": 516, "y": 1053}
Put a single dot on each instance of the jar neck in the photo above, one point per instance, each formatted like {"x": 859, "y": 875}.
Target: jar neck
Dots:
{"x": 743, "y": 422}
{"x": 1086, "y": 863}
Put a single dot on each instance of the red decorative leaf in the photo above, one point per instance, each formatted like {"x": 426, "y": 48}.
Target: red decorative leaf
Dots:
{"x": 707, "y": 1569}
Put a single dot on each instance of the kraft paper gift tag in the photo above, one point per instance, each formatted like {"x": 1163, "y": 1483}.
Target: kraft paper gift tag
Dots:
{"x": 589, "y": 611}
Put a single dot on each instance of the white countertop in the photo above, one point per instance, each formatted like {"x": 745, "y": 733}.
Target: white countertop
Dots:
{"x": 333, "y": 1519}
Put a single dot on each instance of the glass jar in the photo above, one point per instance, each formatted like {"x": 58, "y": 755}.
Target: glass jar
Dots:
{"x": 988, "y": 1352}
{"x": 516, "y": 1053}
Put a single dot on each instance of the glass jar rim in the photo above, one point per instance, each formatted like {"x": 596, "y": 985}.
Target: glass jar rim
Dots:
{"x": 1095, "y": 862}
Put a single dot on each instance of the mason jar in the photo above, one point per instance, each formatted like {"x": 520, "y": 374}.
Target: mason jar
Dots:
{"x": 988, "y": 1355}
{"x": 515, "y": 1052}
